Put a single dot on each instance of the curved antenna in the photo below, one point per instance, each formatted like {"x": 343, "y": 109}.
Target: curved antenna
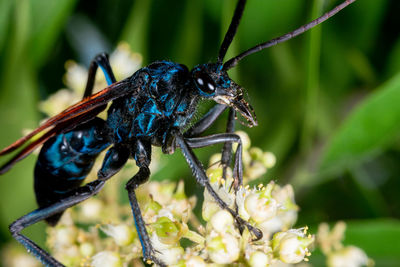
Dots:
{"x": 233, "y": 61}
{"x": 231, "y": 30}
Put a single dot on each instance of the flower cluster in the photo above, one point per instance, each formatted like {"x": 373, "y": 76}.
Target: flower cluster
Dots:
{"x": 100, "y": 231}
{"x": 170, "y": 220}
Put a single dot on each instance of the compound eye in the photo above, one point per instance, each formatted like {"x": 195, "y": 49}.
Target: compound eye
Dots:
{"x": 205, "y": 83}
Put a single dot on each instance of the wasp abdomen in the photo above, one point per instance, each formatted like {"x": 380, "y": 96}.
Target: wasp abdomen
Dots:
{"x": 65, "y": 160}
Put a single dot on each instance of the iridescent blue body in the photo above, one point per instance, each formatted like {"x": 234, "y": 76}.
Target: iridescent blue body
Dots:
{"x": 167, "y": 98}
{"x": 65, "y": 160}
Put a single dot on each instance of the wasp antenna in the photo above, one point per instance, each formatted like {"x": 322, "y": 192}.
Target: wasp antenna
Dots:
{"x": 233, "y": 61}
{"x": 231, "y": 30}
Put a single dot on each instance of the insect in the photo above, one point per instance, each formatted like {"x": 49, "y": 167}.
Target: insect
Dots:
{"x": 151, "y": 107}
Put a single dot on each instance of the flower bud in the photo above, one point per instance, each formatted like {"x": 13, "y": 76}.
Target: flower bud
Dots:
{"x": 168, "y": 253}
{"x": 222, "y": 221}
{"x": 209, "y": 209}
{"x": 245, "y": 140}
{"x": 222, "y": 248}
{"x": 106, "y": 259}
{"x": 90, "y": 210}
{"x": 214, "y": 174}
{"x": 350, "y": 256}
{"x": 259, "y": 259}
{"x": 259, "y": 205}
{"x": 195, "y": 261}
{"x": 86, "y": 249}
{"x": 168, "y": 232}
{"x": 256, "y": 153}
{"x": 63, "y": 236}
{"x": 122, "y": 234}
{"x": 268, "y": 159}
{"x": 215, "y": 159}
{"x": 291, "y": 246}
{"x": 172, "y": 255}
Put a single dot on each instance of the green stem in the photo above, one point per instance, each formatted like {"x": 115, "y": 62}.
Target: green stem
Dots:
{"x": 312, "y": 79}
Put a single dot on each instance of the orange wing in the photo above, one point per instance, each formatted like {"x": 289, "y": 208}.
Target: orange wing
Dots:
{"x": 76, "y": 114}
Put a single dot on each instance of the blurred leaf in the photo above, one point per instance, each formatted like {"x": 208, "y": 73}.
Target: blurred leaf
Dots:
{"x": 369, "y": 129}
{"x": 136, "y": 28}
{"x": 5, "y": 12}
{"x": 190, "y": 35}
{"x": 378, "y": 238}
{"x": 366, "y": 28}
{"x": 264, "y": 20}
{"x": 361, "y": 65}
{"x": 48, "y": 19}
{"x": 393, "y": 63}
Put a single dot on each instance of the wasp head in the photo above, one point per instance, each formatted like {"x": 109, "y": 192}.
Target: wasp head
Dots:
{"x": 212, "y": 82}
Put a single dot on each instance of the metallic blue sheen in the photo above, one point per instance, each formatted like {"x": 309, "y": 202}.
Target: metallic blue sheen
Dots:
{"x": 162, "y": 102}
{"x": 106, "y": 74}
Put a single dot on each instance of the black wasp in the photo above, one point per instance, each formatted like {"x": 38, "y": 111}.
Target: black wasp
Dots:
{"x": 151, "y": 107}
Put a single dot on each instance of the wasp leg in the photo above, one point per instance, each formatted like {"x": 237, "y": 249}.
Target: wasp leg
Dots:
{"x": 102, "y": 61}
{"x": 201, "y": 177}
{"x": 227, "y": 138}
{"x": 226, "y": 150}
{"x": 74, "y": 197}
{"x": 114, "y": 160}
{"x": 142, "y": 154}
{"x": 206, "y": 122}
{"x": 147, "y": 248}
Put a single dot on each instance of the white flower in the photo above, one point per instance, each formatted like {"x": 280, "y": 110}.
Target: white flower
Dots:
{"x": 90, "y": 210}
{"x": 259, "y": 259}
{"x": 256, "y": 204}
{"x": 350, "y": 256}
{"x": 86, "y": 249}
{"x": 222, "y": 221}
{"x": 268, "y": 159}
{"x": 168, "y": 253}
{"x": 222, "y": 248}
{"x": 224, "y": 190}
{"x": 106, "y": 259}
{"x": 194, "y": 261}
{"x": 244, "y": 137}
{"x": 167, "y": 230}
{"x": 260, "y": 207}
{"x": 292, "y": 246}
{"x": 121, "y": 233}
{"x": 328, "y": 240}
{"x": 64, "y": 236}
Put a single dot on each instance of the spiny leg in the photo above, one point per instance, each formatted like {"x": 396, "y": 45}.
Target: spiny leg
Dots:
{"x": 113, "y": 161}
{"x": 142, "y": 155}
{"x": 201, "y": 177}
{"x": 74, "y": 197}
{"x": 147, "y": 248}
{"x": 226, "y": 150}
{"x": 206, "y": 121}
{"x": 227, "y": 138}
{"x": 102, "y": 61}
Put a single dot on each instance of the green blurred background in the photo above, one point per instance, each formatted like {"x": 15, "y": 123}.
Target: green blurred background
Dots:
{"x": 328, "y": 102}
